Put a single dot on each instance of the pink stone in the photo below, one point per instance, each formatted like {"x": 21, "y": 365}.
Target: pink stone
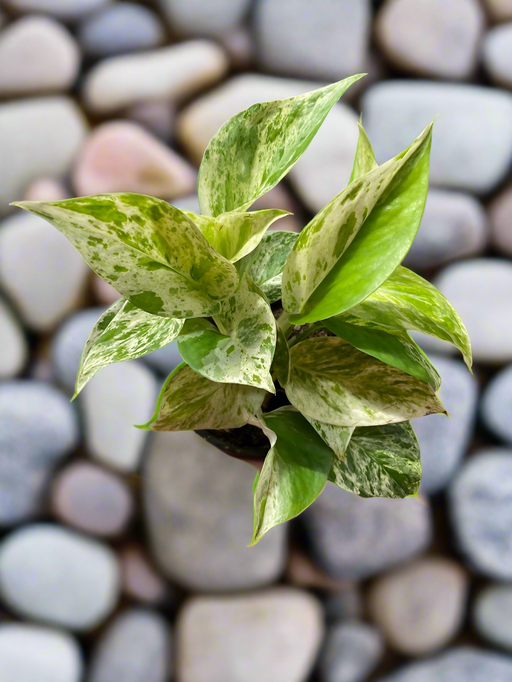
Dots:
{"x": 121, "y": 156}
{"x": 103, "y": 291}
{"x": 280, "y": 198}
{"x": 139, "y": 579}
{"x": 46, "y": 189}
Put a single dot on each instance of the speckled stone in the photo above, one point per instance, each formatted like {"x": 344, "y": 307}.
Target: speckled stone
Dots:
{"x": 496, "y": 405}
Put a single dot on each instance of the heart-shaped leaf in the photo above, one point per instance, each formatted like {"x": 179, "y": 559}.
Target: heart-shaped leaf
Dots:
{"x": 257, "y": 147}
{"x": 364, "y": 160}
{"x": 333, "y": 382}
{"x": 149, "y": 251}
{"x": 354, "y": 244}
{"x": 336, "y": 437}
{"x": 123, "y": 332}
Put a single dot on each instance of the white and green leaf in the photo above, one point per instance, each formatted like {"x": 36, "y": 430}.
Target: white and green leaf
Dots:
{"x": 354, "y": 244}
{"x": 123, "y": 332}
{"x": 364, "y": 160}
{"x": 294, "y": 473}
{"x": 149, "y": 251}
{"x": 380, "y": 461}
{"x": 255, "y": 148}
{"x": 335, "y": 383}
{"x": 190, "y": 402}
{"x": 406, "y": 301}
{"x": 336, "y": 437}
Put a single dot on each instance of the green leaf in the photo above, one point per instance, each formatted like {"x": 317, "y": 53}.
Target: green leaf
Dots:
{"x": 255, "y": 149}
{"x": 242, "y": 352}
{"x": 236, "y": 234}
{"x": 364, "y": 160}
{"x": 354, "y": 244}
{"x": 190, "y": 402}
{"x": 395, "y": 348}
{"x": 266, "y": 263}
{"x": 407, "y": 301}
{"x": 333, "y": 382}
{"x": 294, "y": 473}
{"x": 123, "y": 332}
{"x": 149, "y": 251}
{"x": 380, "y": 461}
{"x": 281, "y": 363}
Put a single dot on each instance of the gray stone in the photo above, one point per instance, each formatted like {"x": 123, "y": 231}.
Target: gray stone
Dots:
{"x": 38, "y": 137}
{"x": 157, "y": 116}
{"x": 329, "y": 43}
{"x": 37, "y": 54}
{"x": 134, "y": 648}
{"x": 272, "y": 636}
{"x": 420, "y": 607}
{"x": 172, "y": 73}
{"x": 492, "y": 615}
{"x": 202, "y": 17}
{"x": 199, "y": 513}
{"x": 41, "y": 271}
{"x": 454, "y": 225}
{"x": 443, "y": 441}
{"x": 120, "y": 396}
{"x": 14, "y": 345}
{"x": 165, "y": 359}
{"x": 63, "y": 9}
{"x": 497, "y": 405}
{"x": 68, "y": 343}
{"x": 497, "y": 54}
{"x": 38, "y": 428}
{"x": 500, "y": 10}
{"x": 355, "y": 538}
{"x": 437, "y": 38}
{"x": 463, "y": 664}
{"x": 500, "y": 212}
{"x": 351, "y": 652}
{"x": 52, "y": 574}
{"x": 347, "y": 604}
{"x": 472, "y": 146}
{"x": 480, "y": 290}
{"x": 123, "y": 27}
{"x": 481, "y": 511}
{"x": 92, "y": 499}
{"x": 30, "y": 653}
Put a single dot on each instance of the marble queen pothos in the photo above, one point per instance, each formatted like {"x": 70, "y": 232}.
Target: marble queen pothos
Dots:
{"x": 304, "y": 337}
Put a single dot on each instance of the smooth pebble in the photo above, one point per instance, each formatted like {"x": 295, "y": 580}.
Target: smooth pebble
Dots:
{"x": 492, "y": 615}
{"x": 202, "y": 17}
{"x": 500, "y": 211}
{"x": 14, "y": 344}
{"x": 497, "y": 54}
{"x": 62, "y": 9}
{"x": 351, "y": 652}
{"x": 496, "y": 406}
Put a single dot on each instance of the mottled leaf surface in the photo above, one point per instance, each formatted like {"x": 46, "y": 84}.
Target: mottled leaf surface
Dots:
{"x": 255, "y": 149}
{"x": 149, "y": 251}
{"x": 242, "y": 352}
{"x": 294, "y": 473}
{"x": 380, "y": 461}
{"x": 190, "y": 402}
{"x": 336, "y": 437}
{"x": 354, "y": 244}
{"x": 395, "y": 348}
{"x": 266, "y": 263}
{"x": 364, "y": 160}
{"x": 123, "y": 332}
{"x": 333, "y": 382}
{"x": 407, "y": 301}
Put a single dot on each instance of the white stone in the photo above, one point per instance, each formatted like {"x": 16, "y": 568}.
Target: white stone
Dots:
{"x": 433, "y": 37}
{"x": 492, "y": 615}
{"x": 30, "y": 653}
{"x": 14, "y": 345}
{"x": 496, "y": 406}
{"x": 351, "y": 652}
{"x": 37, "y": 54}
{"x": 472, "y": 140}
{"x": 120, "y": 396}
{"x": 174, "y": 73}
{"x": 500, "y": 10}
{"x": 41, "y": 271}
{"x": 52, "y": 574}
{"x": 62, "y": 9}
{"x": 497, "y": 54}
{"x": 272, "y": 636}
{"x": 480, "y": 290}
{"x": 203, "y": 17}
{"x": 38, "y": 138}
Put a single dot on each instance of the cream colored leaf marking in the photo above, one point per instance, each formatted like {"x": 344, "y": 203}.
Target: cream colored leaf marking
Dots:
{"x": 336, "y": 437}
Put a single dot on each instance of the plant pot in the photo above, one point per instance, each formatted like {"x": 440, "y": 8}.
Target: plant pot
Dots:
{"x": 247, "y": 442}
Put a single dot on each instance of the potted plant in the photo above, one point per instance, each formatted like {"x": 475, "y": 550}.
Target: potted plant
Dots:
{"x": 296, "y": 347}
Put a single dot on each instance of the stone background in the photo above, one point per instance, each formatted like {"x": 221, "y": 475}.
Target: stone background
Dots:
{"x": 123, "y": 558}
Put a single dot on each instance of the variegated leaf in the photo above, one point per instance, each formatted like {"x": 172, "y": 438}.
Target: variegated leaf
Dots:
{"x": 294, "y": 473}
{"x": 242, "y": 351}
{"x": 364, "y": 160}
{"x": 380, "y": 461}
{"x": 354, "y": 244}
{"x": 236, "y": 234}
{"x": 123, "y": 332}
{"x": 190, "y": 402}
{"x": 266, "y": 263}
{"x": 336, "y": 437}
{"x": 255, "y": 149}
{"x": 395, "y": 348}
{"x": 333, "y": 382}
{"x": 149, "y": 251}
{"x": 407, "y": 301}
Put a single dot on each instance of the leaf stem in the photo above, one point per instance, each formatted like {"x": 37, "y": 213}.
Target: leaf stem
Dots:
{"x": 304, "y": 334}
